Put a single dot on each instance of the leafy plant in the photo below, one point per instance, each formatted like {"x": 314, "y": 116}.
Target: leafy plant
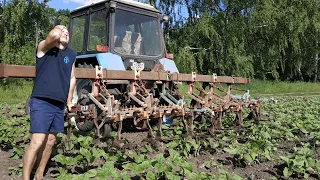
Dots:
{"x": 300, "y": 163}
{"x": 188, "y": 147}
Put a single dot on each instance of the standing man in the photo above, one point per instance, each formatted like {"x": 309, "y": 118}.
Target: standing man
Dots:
{"x": 53, "y": 88}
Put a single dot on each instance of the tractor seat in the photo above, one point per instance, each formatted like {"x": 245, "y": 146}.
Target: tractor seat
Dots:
{"x": 129, "y": 43}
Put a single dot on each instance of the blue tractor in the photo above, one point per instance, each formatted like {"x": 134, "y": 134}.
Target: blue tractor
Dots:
{"x": 117, "y": 35}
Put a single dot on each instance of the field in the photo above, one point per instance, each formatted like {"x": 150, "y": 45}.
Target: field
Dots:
{"x": 285, "y": 145}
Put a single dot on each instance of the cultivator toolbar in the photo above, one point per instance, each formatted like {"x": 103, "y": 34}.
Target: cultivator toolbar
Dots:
{"x": 151, "y": 98}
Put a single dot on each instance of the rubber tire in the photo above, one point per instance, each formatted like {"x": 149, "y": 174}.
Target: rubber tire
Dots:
{"x": 86, "y": 127}
{"x": 84, "y": 85}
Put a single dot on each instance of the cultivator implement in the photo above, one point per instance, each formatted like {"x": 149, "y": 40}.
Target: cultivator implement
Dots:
{"x": 151, "y": 98}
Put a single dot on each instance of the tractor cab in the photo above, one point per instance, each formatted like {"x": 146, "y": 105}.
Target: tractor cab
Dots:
{"x": 116, "y": 33}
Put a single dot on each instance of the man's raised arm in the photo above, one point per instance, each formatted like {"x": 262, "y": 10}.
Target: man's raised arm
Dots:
{"x": 51, "y": 40}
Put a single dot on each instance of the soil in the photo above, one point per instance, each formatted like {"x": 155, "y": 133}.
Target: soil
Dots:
{"x": 263, "y": 170}
{"x": 136, "y": 140}
{"x": 6, "y": 163}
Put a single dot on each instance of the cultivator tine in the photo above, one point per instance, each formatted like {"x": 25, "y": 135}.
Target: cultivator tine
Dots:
{"x": 190, "y": 132}
{"x": 98, "y": 133}
{"x": 218, "y": 120}
{"x": 69, "y": 129}
{"x": 211, "y": 128}
{"x": 119, "y": 120}
{"x": 67, "y": 143}
{"x": 119, "y": 131}
{"x": 69, "y": 136}
{"x": 238, "y": 119}
{"x": 259, "y": 113}
{"x": 160, "y": 127}
{"x": 150, "y": 132}
{"x": 185, "y": 125}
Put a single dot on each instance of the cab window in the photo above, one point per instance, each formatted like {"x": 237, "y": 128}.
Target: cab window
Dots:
{"x": 77, "y": 32}
{"x": 97, "y": 29}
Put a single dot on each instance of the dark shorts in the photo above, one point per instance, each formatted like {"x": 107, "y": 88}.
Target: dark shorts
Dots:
{"x": 46, "y": 116}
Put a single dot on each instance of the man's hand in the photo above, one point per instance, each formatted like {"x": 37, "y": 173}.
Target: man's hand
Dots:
{"x": 70, "y": 105}
{"x": 51, "y": 40}
{"x": 61, "y": 27}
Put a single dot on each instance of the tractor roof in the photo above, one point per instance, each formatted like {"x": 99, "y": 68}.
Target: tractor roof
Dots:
{"x": 129, "y": 2}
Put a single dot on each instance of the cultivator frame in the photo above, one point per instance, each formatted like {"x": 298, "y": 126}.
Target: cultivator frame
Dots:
{"x": 205, "y": 102}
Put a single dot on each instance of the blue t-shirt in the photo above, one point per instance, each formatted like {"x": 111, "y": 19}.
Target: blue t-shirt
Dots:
{"x": 53, "y": 72}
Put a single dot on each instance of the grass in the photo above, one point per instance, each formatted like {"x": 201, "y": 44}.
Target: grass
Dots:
{"x": 16, "y": 91}
{"x": 274, "y": 88}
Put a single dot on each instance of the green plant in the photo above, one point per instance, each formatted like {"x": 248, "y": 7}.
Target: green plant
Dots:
{"x": 188, "y": 147}
{"x": 300, "y": 163}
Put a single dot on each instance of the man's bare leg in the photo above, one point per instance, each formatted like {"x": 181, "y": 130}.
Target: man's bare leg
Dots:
{"x": 39, "y": 155}
{"x": 30, "y": 155}
{"x": 45, "y": 156}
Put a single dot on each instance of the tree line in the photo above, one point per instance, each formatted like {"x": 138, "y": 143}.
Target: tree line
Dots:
{"x": 265, "y": 39}
{"x": 23, "y": 23}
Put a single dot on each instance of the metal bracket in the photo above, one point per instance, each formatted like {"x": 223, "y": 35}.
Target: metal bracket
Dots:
{"x": 99, "y": 73}
{"x": 137, "y": 74}
{"x": 194, "y": 75}
{"x": 214, "y": 77}
{"x": 137, "y": 68}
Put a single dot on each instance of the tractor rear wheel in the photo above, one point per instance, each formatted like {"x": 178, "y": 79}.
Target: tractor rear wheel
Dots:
{"x": 82, "y": 89}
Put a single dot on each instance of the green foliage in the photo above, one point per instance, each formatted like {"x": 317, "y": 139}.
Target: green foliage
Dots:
{"x": 23, "y": 25}
{"x": 295, "y": 124}
{"x": 189, "y": 147}
{"x": 8, "y": 134}
{"x": 264, "y": 39}
{"x": 300, "y": 163}
{"x": 16, "y": 170}
{"x": 15, "y": 91}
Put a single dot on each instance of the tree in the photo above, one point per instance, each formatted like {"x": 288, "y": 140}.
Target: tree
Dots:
{"x": 265, "y": 39}
{"x": 24, "y": 24}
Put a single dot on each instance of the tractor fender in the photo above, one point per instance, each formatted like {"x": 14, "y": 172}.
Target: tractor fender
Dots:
{"x": 169, "y": 65}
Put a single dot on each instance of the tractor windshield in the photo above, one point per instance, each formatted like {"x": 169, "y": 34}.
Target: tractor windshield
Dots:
{"x": 136, "y": 34}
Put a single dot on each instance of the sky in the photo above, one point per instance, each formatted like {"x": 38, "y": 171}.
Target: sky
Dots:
{"x": 68, "y": 4}
{"x": 72, "y": 4}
